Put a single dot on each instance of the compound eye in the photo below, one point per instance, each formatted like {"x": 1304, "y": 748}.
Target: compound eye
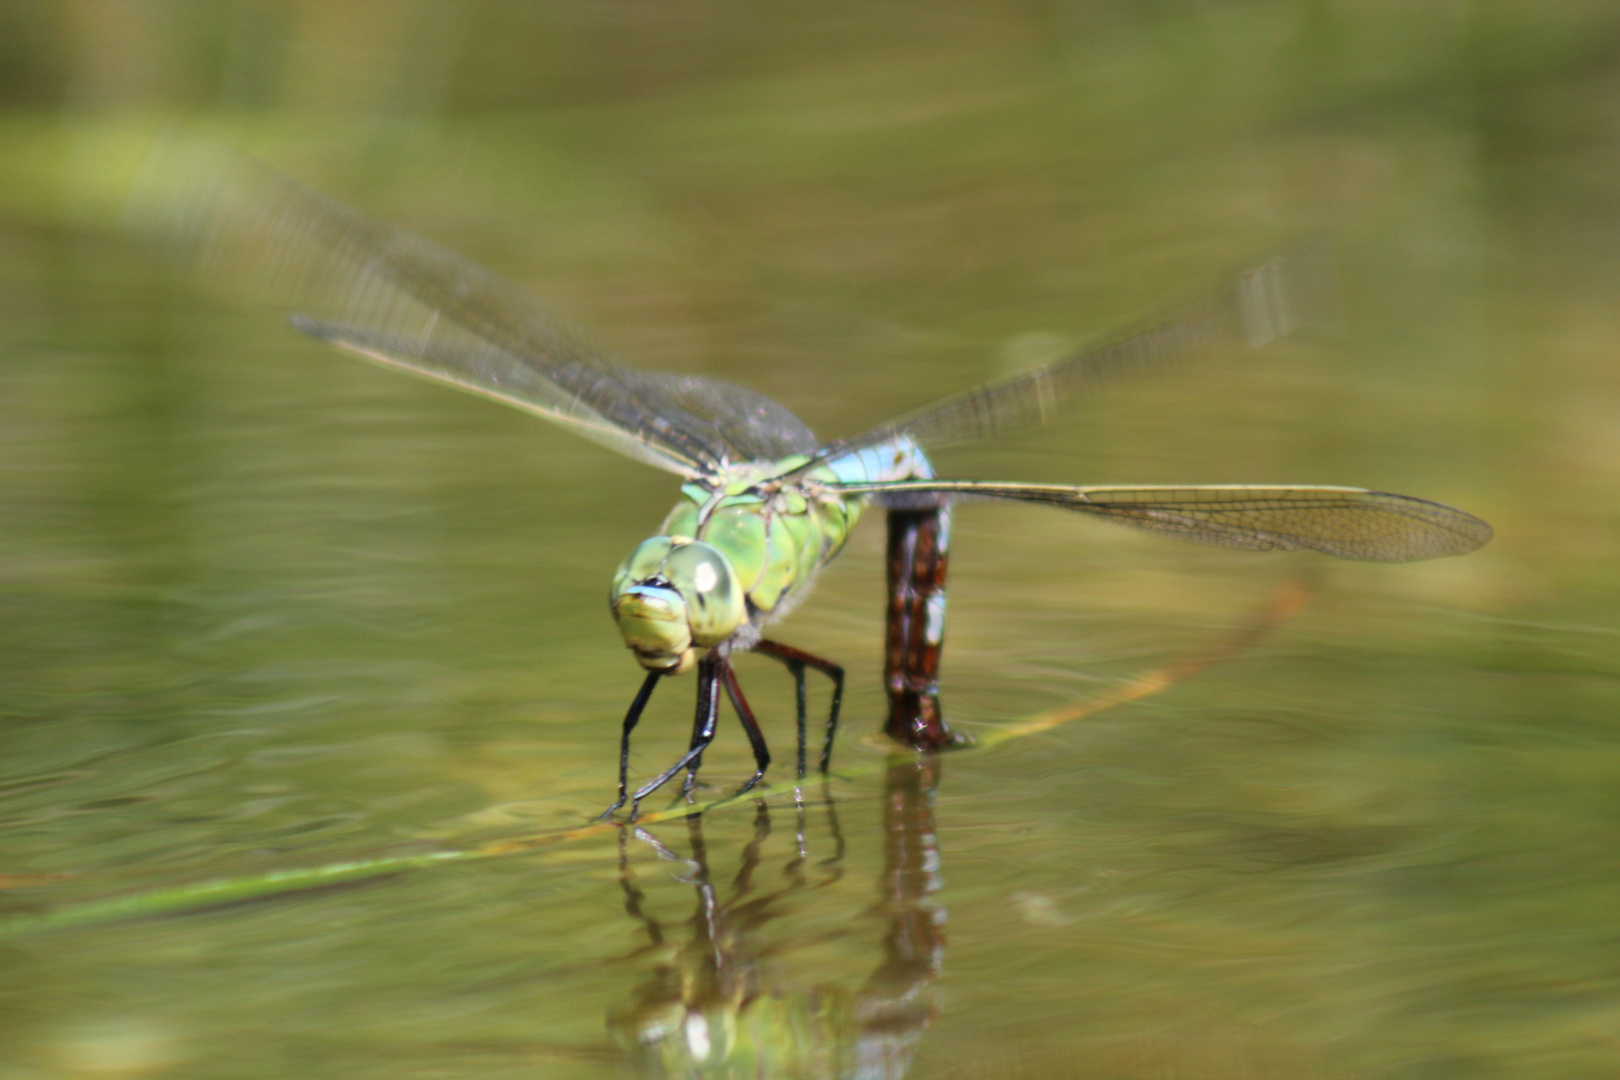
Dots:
{"x": 697, "y": 567}
{"x": 714, "y": 598}
{"x": 643, "y": 564}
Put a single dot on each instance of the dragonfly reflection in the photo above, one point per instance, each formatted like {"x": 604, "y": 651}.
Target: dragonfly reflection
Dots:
{"x": 764, "y": 504}
{"x": 708, "y": 1007}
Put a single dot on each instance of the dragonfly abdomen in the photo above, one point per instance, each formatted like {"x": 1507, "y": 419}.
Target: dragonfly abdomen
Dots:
{"x": 918, "y": 553}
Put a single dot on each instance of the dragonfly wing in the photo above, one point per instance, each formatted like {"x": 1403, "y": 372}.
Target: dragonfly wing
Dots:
{"x": 1260, "y": 305}
{"x": 429, "y": 310}
{"x": 751, "y": 425}
{"x": 493, "y": 373}
{"x": 1351, "y": 523}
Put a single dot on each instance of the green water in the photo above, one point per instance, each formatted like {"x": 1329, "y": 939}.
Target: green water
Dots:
{"x": 267, "y": 609}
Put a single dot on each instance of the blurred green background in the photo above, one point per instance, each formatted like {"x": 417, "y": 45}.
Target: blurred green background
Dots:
{"x": 263, "y": 606}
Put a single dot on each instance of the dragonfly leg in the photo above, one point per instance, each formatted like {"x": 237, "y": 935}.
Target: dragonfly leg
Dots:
{"x": 699, "y": 720}
{"x": 796, "y": 668}
{"x": 796, "y": 660}
{"x": 919, "y": 540}
{"x": 708, "y": 712}
{"x": 836, "y": 673}
{"x": 756, "y": 738}
{"x": 648, "y": 685}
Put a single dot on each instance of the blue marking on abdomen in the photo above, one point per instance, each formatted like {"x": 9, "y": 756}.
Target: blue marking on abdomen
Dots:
{"x": 900, "y": 459}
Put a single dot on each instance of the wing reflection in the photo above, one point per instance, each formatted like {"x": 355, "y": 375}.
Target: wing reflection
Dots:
{"x": 710, "y": 1006}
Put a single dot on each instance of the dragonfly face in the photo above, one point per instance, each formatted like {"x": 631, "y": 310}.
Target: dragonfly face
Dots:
{"x": 673, "y": 598}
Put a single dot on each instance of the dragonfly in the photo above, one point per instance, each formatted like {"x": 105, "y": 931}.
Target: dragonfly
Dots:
{"x": 764, "y": 505}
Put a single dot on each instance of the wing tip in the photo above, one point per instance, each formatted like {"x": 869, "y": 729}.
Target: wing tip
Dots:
{"x": 1467, "y": 533}
{"x": 1480, "y": 533}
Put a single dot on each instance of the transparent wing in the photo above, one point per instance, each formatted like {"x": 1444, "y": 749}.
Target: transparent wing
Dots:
{"x": 1350, "y": 523}
{"x": 1260, "y": 305}
{"x": 404, "y": 301}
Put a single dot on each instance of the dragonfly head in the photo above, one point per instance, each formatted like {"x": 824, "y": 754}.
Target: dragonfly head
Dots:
{"x": 673, "y": 598}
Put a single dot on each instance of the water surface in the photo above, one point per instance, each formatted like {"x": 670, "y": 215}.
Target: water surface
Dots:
{"x": 269, "y": 609}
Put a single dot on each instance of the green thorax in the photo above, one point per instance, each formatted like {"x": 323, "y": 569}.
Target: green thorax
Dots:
{"x": 775, "y": 536}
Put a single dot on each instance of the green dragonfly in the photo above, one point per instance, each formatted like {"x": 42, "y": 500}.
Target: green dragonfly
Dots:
{"x": 764, "y": 505}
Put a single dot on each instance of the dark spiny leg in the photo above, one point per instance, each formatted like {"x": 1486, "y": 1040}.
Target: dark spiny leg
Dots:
{"x": 800, "y": 709}
{"x": 705, "y": 718}
{"x": 918, "y": 542}
{"x": 630, "y": 719}
{"x": 791, "y": 660}
{"x": 708, "y": 708}
{"x": 790, "y": 656}
{"x": 699, "y": 719}
{"x": 756, "y": 738}
{"x": 836, "y": 673}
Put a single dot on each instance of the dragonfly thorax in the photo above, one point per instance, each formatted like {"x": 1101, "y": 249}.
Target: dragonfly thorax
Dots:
{"x": 675, "y": 598}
